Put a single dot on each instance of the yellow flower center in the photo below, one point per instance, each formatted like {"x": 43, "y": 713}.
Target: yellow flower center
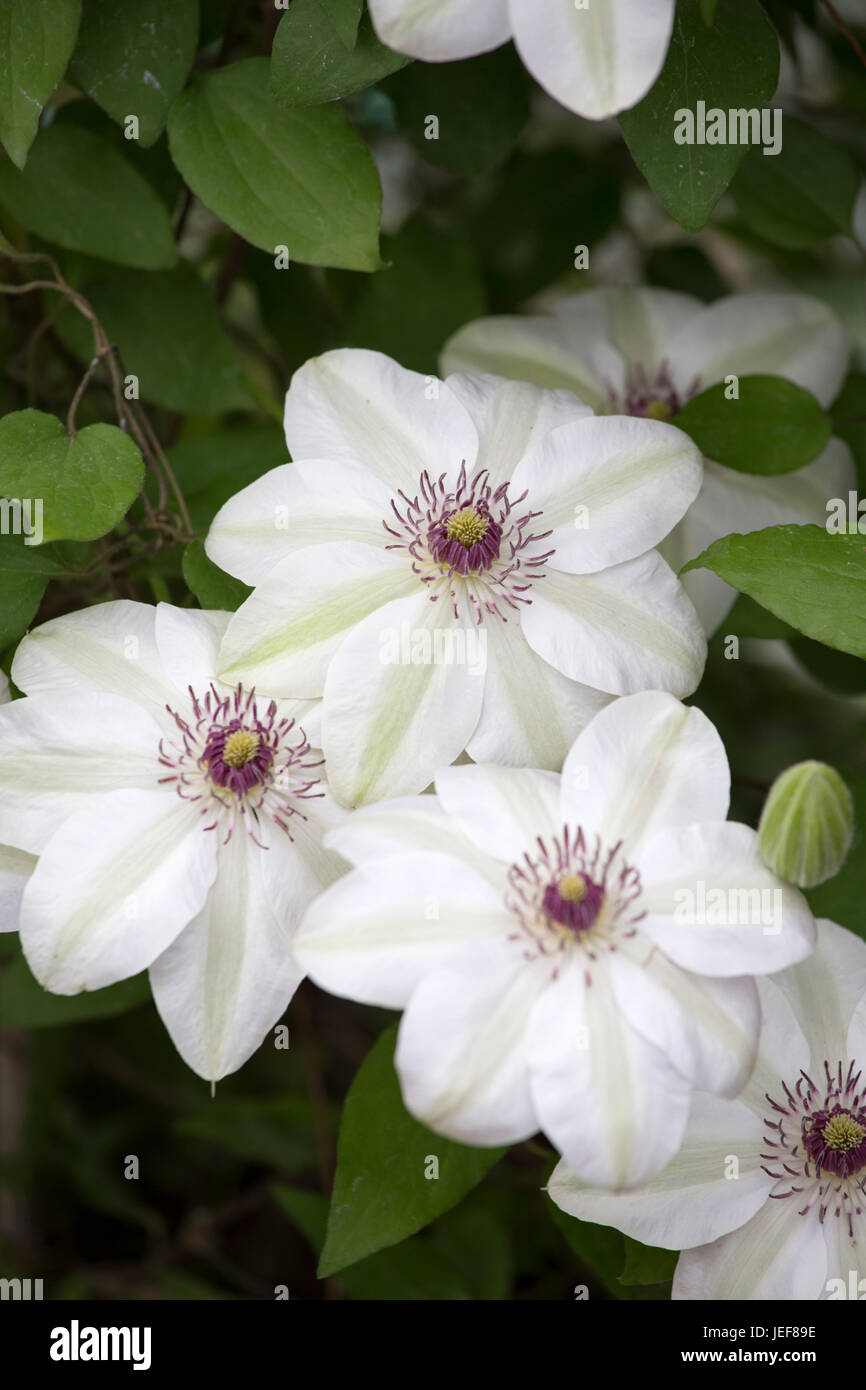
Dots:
{"x": 659, "y": 409}
{"x": 241, "y": 747}
{"x": 843, "y": 1132}
{"x": 572, "y": 887}
{"x": 467, "y": 527}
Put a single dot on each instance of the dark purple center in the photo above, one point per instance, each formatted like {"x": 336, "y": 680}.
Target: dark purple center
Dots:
{"x": 574, "y": 902}
{"x": 835, "y": 1140}
{"x": 237, "y": 757}
{"x": 466, "y": 539}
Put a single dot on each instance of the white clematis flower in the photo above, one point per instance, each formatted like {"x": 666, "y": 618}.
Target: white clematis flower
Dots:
{"x": 646, "y": 352}
{"x": 788, "y": 1221}
{"x": 537, "y": 932}
{"x": 15, "y": 865}
{"x": 596, "y": 60}
{"x": 446, "y": 561}
{"x": 178, "y": 823}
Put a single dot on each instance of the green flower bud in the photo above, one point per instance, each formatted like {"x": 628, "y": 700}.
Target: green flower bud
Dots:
{"x": 807, "y": 824}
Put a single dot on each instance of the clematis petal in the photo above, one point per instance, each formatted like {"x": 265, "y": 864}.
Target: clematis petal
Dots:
{"x": 783, "y": 1050}
{"x": 359, "y": 407}
{"x": 298, "y": 866}
{"x": 188, "y": 642}
{"x": 406, "y": 825}
{"x": 399, "y": 701}
{"x": 646, "y": 763}
{"x": 609, "y": 1100}
{"x": 826, "y": 992}
{"x": 16, "y": 866}
{"x": 707, "y": 1028}
{"x": 229, "y": 975}
{"x": 380, "y": 930}
{"x": 300, "y": 504}
{"x": 110, "y": 647}
{"x": 595, "y": 61}
{"x": 689, "y": 1202}
{"x": 789, "y": 335}
{"x": 776, "y": 1254}
{"x": 441, "y": 32}
{"x": 60, "y": 752}
{"x": 626, "y": 323}
{"x": 113, "y": 888}
{"x": 628, "y": 628}
{"x": 713, "y": 905}
{"x": 461, "y": 1048}
{"x": 502, "y": 810}
{"x": 511, "y": 417}
{"x": 609, "y": 488}
{"x": 537, "y": 349}
{"x": 530, "y": 714}
{"x": 846, "y": 1252}
{"x": 285, "y": 634}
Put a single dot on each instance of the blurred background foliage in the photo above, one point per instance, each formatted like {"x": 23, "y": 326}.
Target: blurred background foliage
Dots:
{"x": 232, "y": 1195}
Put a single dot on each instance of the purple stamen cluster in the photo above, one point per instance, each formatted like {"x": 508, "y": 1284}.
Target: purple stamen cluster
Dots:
{"x": 472, "y": 532}
{"x": 574, "y": 892}
{"x": 814, "y": 1148}
{"x": 237, "y": 762}
{"x": 578, "y": 914}
{"x": 233, "y": 776}
{"x": 643, "y": 394}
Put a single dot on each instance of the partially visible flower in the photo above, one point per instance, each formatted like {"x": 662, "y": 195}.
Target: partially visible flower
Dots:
{"x": 178, "y": 823}
{"x": 596, "y": 59}
{"x": 646, "y": 352}
{"x": 767, "y": 1197}
{"x": 15, "y": 865}
{"x": 807, "y": 824}
{"x": 445, "y": 561}
{"x": 572, "y": 953}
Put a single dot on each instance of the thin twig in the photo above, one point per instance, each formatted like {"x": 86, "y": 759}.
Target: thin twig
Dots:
{"x": 80, "y": 390}
{"x": 851, "y": 37}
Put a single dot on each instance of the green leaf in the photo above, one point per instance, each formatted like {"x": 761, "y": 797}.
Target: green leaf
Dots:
{"x": 36, "y": 39}
{"x": 646, "y": 1264}
{"x": 477, "y": 1243}
{"x": 212, "y": 586}
{"x": 86, "y": 482}
{"x": 429, "y": 287}
{"x": 708, "y": 10}
{"x": 168, "y": 331}
{"x": 599, "y": 1248}
{"x": 480, "y": 105}
{"x": 415, "y": 1270}
{"x": 134, "y": 59}
{"x": 302, "y": 179}
{"x": 25, "y": 1004}
{"x": 381, "y": 1195}
{"x": 78, "y": 192}
{"x": 732, "y": 65}
{"x": 772, "y": 427}
{"x": 311, "y": 63}
{"x": 345, "y": 15}
{"x": 24, "y": 573}
{"x": 748, "y": 619}
{"x": 803, "y": 574}
{"x": 803, "y": 194}
{"x": 843, "y": 898}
